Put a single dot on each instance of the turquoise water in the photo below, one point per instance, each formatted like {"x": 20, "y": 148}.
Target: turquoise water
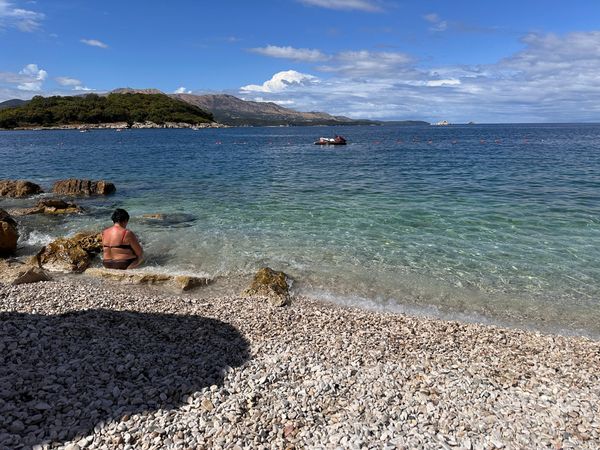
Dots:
{"x": 498, "y": 223}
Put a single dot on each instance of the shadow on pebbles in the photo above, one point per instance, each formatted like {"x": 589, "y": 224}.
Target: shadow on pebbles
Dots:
{"x": 63, "y": 375}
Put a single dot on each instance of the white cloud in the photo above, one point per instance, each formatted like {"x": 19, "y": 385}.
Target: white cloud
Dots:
{"x": 443, "y": 82}
{"x": 437, "y": 24}
{"x": 73, "y": 83}
{"x": 366, "y": 63}
{"x": 34, "y": 78}
{"x": 298, "y": 54}
{"x": 360, "y": 5}
{"x": 554, "y": 78}
{"x": 22, "y": 19}
{"x": 281, "y": 81}
{"x": 355, "y": 63}
{"x": 94, "y": 43}
{"x": 66, "y": 81}
{"x": 182, "y": 90}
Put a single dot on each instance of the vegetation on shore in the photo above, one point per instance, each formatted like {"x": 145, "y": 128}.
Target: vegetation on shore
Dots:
{"x": 93, "y": 109}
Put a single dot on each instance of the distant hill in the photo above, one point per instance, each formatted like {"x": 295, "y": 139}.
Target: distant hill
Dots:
{"x": 94, "y": 109}
{"x": 14, "y": 103}
{"x": 231, "y": 110}
{"x": 138, "y": 105}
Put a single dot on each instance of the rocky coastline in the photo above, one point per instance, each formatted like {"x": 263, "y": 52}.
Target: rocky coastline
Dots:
{"x": 125, "y": 125}
{"x": 97, "y": 359}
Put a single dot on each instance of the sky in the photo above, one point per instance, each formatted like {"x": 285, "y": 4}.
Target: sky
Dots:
{"x": 462, "y": 60}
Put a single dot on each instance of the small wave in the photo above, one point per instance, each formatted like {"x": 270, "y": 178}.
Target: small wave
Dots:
{"x": 35, "y": 238}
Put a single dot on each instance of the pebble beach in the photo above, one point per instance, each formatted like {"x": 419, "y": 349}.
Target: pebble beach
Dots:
{"x": 97, "y": 365}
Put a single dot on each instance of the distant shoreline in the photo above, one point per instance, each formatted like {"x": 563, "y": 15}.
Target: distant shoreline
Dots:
{"x": 120, "y": 126}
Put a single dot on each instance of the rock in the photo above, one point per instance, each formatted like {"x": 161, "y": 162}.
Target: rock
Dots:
{"x": 16, "y": 427}
{"x": 269, "y": 284}
{"x": 90, "y": 241}
{"x": 207, "y": 404}
{"x": 48, "y": 206}
{"x": 63, "y": 255}
{"x": 56, "y": 206}
{"x": 70, "y": 254}
{"x": 17, "y": 212}
{"x": 75, "y": 186}
{"x": 14, "y": 273}
{"x": 181, "y": 282}
{"x": 186, "y": 282}
{"x": 156, "y": 216}
{"x": 18, "y": 188}
{"x": 8, "y": 233}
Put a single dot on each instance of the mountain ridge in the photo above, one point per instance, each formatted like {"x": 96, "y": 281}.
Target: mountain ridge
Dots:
{"x": 233, "y": 111}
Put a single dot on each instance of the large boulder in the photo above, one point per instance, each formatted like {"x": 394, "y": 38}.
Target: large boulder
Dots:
{"x": 270, "y": 285}
{"x": 18, "y": 188}
{"x": 74, "y": 186}
{"x": 8, "y": 234}
{"x": 181, "y": 282}
{"x": 70, "y": 254}
{"x": 13, "y": 273}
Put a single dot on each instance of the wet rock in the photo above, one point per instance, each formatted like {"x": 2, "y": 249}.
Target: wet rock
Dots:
{"x": 70, "y": 254}
{"x": 8, "y": 233}
{"x": 63, "y": 255}
{"x": 48, "y": 206}
{"x": 90, "y": 241}
{"x": 18, "y": 188}
{"x": 14, "y": 273}
{"x": 56, "y": 206}
{"x": 74, "y": 186}
{"x": 181, "y": 282}
{"x": 271, "y": 285}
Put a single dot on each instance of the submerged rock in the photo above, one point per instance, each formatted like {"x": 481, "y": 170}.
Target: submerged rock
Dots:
{"x": 14, "y": 273}
{"x": 167, "y": 219}
{"x": 70, "y": 254}
{"x": 18, "y": 188}
{"x": 271, "y": 285}
{"x": 74, "y": 186}
{"x": 8, "y": 233}
{"x": 182, "y": 282}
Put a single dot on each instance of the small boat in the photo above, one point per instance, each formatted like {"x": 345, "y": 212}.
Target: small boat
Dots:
{"x": 337, "y": 140}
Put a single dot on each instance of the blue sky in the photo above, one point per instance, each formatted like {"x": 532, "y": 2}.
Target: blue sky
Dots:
{"x": 486, "y": 61}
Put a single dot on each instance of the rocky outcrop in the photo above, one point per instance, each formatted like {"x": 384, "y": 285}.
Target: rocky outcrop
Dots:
{"x": 74, "y": 186}
{"x": 13, "y": 273}
{"x": 8, "y": 234}
{"x": 270, "y": 285}
{"x": 181, "y": 282}
{"x": 70, "y": 254}
{"x": 18, "y": 188}
{"x": 48, "y": 206}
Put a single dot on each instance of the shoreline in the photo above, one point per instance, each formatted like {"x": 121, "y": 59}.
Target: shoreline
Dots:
{"x": 313, "y": 375}
{"x": 121, "y": 126}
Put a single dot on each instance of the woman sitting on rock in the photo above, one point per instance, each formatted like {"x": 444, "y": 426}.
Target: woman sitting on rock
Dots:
{"x": 122, "y": 249}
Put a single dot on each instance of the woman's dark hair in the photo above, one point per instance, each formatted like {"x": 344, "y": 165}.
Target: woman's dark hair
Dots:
{"x": 120, "y": 216}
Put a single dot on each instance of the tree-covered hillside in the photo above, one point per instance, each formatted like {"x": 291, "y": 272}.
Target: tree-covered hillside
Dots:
{"x": 92, "y": 108}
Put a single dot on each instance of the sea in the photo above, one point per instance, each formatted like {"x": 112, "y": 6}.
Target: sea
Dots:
{"x": 486, "y": 223}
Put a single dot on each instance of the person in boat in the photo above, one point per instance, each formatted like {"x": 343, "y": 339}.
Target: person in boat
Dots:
{"x": 121, "y": 248}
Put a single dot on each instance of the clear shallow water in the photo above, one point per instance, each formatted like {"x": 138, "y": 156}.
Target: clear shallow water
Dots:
{"x": 496, "y": 223}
